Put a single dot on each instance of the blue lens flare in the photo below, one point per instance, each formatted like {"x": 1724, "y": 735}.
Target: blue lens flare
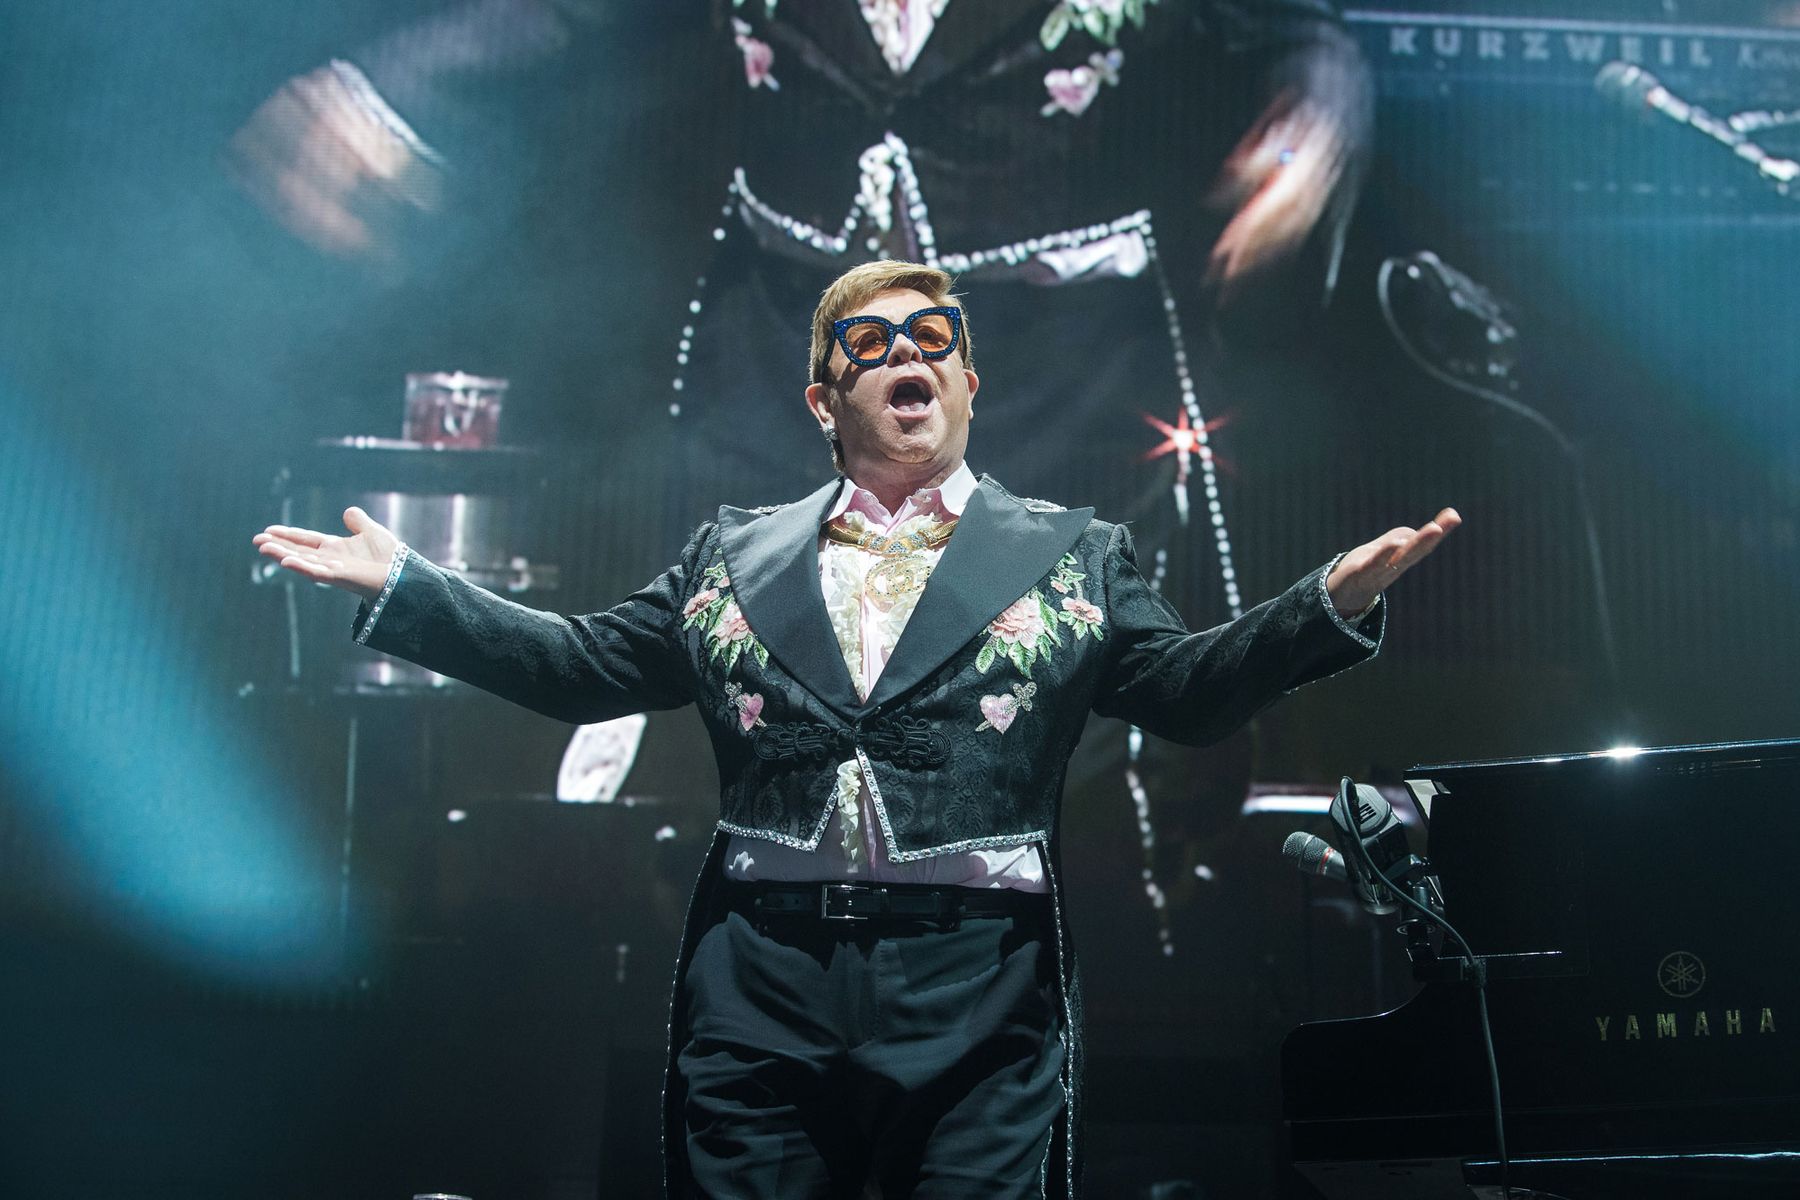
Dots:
{"x": 168, "y": 821}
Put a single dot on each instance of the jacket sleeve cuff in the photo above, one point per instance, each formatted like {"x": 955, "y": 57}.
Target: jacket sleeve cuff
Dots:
{"x": 373, "y": 105}
{"x": 1356, "y": 625}
{"x": 367, "y": 614}
{"x": 1353, "y": 626}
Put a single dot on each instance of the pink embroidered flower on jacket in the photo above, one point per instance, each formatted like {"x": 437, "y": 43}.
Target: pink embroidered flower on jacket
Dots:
{"x": 759, "y": 57}
{"x": 1072, "y": 90}
{"x": 1081, "y": 610}
{"x": 701, "y": 600}
{"x": 1021, "y": 624}
{"x": 715, "y": 613}
{"x": 731, "y": 627}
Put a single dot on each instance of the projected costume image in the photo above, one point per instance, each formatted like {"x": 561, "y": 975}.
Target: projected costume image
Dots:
{"x": 1107, "y": 171}
{"x": 1158, "y": 186}
{"x": 1018, "y": 146}
{"x": 875, "y": 980}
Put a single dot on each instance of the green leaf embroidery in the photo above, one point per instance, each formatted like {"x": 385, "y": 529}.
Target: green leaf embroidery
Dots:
{"x": 1093, "y": 18}
{"x": 707, "y": 621}
{"x": 985, "y": 659}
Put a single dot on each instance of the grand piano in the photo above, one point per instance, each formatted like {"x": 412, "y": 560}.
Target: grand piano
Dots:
{"x": 1637, "y": 917}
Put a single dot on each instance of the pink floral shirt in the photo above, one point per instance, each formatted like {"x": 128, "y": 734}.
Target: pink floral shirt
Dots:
{"x": 853, "y": 846}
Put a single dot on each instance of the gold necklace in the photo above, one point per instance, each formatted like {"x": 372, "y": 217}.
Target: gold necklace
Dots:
{"x": 903, "y": 568}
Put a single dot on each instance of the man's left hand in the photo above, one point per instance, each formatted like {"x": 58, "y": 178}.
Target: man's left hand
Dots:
{"x": 1366, "y": 571}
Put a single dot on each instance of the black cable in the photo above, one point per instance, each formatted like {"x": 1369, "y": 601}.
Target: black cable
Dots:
{"x": 1477, "y": 970}
{"x": 1564, "y": 445}
{"x": 1487, "y": 1042}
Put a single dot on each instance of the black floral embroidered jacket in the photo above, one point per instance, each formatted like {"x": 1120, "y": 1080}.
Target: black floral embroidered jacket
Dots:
{"x": 1034, "y": 617}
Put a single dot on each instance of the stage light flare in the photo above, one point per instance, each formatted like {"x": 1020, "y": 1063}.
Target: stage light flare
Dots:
{"x": 1184, "y": 440}
{"x": 145, "y": 785}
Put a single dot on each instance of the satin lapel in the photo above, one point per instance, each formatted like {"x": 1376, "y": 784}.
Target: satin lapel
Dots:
{"x": 968, "y": 30}
{"x": 833, "y": 39}
{"x": 773, "y": 562}
{"x": 999, "y": 552}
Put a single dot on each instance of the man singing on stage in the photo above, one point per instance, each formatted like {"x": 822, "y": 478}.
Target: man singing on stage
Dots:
{"x": 875, "y": 984}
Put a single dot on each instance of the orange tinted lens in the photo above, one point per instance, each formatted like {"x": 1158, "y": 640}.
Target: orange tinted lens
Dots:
{"x": 932, "y": 334}
{"x": 867, "y": 340}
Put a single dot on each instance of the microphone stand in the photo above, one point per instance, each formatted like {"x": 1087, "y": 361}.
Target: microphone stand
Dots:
{"x": 1425, "y": 915}
{"x": 1420, "y": 896}
{"x": 1634, "y": 87}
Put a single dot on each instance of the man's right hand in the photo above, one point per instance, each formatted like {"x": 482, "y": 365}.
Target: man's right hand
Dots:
{"x": 358, "y": 563}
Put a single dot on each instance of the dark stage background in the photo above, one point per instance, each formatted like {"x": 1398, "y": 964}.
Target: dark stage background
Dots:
{"x": 265, "y": 937}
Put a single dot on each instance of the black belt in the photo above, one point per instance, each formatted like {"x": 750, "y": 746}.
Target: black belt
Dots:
{"x": 878, "y": 901}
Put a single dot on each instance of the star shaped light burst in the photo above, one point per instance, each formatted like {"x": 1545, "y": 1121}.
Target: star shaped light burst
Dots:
{"x": 1184, "y": 441}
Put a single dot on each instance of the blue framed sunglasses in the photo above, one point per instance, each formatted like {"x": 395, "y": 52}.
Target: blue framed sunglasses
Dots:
{"x": 867, "y": 340}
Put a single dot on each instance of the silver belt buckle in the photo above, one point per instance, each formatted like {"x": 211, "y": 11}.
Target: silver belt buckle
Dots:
{"x": 848, "y": 891}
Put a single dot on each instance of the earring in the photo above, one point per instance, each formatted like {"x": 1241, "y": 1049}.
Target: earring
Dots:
{"x": 830, "y": 432}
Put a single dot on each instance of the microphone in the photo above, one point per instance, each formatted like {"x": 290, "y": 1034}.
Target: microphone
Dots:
{"x": 1467, "y": 296}
{"x": 1457, "y": 326}
{"x": 1359, "y": 813}
{"x": 1634, "y": 88}
{"x": 1314, "y": 856}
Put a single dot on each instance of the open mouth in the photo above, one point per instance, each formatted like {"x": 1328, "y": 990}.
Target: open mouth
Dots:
{"x": 910, "y": 397}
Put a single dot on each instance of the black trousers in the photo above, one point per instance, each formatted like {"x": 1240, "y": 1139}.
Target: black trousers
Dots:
{"x": 827, "y": 1057}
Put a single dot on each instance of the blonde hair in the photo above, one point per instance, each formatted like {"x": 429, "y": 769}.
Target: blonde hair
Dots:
{"x": 860, "y": 284}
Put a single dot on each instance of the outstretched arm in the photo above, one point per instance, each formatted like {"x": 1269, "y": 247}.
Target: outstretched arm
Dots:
{"x": 1195, "y": 688}
{"x": 629, "y": 658}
